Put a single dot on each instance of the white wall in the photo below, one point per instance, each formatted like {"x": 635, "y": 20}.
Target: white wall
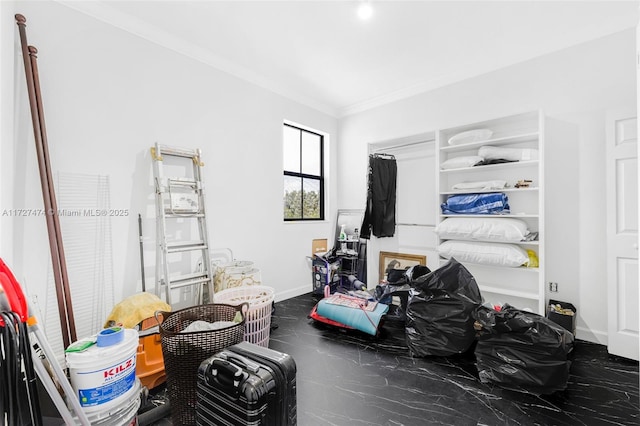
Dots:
{"x": 577, "y": 85}
{"x": 108, "y": 97}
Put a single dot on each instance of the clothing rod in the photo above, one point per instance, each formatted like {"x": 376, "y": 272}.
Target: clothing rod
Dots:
{"x": 416, "y": 224}
{"x": 402, "y": 145}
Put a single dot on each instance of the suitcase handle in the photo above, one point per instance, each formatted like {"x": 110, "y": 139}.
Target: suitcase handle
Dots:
{"x": 225, "y": 373}
{"x": 239, "y": 359}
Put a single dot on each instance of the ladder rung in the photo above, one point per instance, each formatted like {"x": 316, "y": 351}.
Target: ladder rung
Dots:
{"x": 177, "y": 152}
{"x": 186, "y": 246}
{"x": 192, "y": 188}
{"x": 185, "y": 277}
{"x": 182, "y": 182}
{"x": 165, "y": 189}
{"x": 181, "y": 283}
{"x": 169, "y": 214}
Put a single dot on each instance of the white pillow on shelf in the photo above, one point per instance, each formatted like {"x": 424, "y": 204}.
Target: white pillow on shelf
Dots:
{"x": 483, "y": 184}
{"x": 477, "y": 228}
{"x": 470, "y": 136}
{"x": 495, "y": 254}
{"x": 460, "y": 162}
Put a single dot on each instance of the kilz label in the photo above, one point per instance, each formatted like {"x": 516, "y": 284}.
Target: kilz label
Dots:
{"x": 112, "y": 372}
{"x": 111, "y": 390}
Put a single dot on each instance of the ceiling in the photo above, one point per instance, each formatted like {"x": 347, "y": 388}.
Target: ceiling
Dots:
{"x": 321, "y": 54}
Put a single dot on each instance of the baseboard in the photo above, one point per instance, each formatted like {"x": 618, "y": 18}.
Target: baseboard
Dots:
{"x": 593, "y": 336}
{"x": 294, "y": 292}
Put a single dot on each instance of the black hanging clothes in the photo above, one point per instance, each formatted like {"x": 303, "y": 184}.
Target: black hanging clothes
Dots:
{"x": 380, "y": 213}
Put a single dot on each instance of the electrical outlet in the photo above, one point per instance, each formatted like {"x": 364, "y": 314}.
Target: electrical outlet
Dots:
{"x": 553, "y": 287}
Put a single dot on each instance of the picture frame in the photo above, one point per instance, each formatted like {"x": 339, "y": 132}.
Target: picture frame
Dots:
{"x": 389, "y": 260}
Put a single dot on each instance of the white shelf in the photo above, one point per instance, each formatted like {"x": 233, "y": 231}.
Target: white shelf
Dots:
{"x": 507, "y": 140}
{"x": 518, "y": 269}
{"x": 518, "y": 131}
{"x": 491, "y": 215}
{"x": 528, "y": 243}
{"x": 509, "y": 292}
{"x": 494, "y": 167}
{"x": 487, "y": 191}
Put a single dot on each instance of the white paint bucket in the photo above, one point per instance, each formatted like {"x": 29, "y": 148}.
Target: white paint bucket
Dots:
{"x": 104, "y": 377}
{"x": 124, "y": 415}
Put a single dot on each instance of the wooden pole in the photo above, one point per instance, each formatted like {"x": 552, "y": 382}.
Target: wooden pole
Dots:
{"x": 55, "y": 239}
{"x": 33, "y": 52}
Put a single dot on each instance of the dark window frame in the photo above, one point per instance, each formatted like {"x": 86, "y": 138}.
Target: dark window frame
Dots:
{"x": 302, "y": 176}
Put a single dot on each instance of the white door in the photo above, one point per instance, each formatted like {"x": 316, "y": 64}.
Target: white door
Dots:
{"x": 622, "y": 234}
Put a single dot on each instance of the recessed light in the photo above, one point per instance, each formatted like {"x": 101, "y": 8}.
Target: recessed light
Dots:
{"x": 365, "y": 10}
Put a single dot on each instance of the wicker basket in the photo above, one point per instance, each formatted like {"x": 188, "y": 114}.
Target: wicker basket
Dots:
{"x": 184, "y": 352}
{"x": 258, "y": 317}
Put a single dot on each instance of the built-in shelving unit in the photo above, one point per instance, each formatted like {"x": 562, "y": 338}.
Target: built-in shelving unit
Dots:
{"x": 521, "y": 286}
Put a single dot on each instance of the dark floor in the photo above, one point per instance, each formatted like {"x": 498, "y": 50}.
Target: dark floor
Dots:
{"x": 350, "y": 378}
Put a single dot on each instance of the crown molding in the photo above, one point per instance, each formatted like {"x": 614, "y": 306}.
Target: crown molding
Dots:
{"x": 457, "y": 77}
{"x": 103, "y": 12}
{"x": 419, "y": 88}
{"x": 100, "y": 10}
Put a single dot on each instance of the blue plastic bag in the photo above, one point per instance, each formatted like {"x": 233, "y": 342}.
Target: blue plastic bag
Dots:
{"x": 495, "y": 202}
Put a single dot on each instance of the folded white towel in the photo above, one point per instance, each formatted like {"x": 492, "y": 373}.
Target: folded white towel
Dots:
{"x": 485, "y": 184}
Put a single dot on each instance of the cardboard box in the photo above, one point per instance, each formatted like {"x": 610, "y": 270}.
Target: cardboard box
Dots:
{"x": 319, "y": 246}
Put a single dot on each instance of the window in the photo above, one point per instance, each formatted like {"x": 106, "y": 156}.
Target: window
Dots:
{"x": 303, "y": 174}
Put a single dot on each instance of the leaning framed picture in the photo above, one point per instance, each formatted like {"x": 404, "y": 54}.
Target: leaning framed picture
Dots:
{"x": 389, "y": 261}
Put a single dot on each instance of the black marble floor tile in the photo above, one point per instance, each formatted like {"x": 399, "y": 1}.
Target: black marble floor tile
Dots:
{"x": 346, "y": 377}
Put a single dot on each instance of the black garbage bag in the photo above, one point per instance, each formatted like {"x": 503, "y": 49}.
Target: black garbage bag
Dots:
{"x": 439, "y": 312}
{"x": 415, "y": 272}
{"x": 522, "y": 350}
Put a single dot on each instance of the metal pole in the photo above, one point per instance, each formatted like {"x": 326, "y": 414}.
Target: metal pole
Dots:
{"x": 61, "y": 377}
{"x": 141, "y": 252}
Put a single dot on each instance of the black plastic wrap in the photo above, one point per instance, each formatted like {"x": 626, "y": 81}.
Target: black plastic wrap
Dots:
{"x": 522, "y": 350}
{"x": 399, "y": 285}
{"x": 439, "y": 312}
{"x": 385, "y": 294}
